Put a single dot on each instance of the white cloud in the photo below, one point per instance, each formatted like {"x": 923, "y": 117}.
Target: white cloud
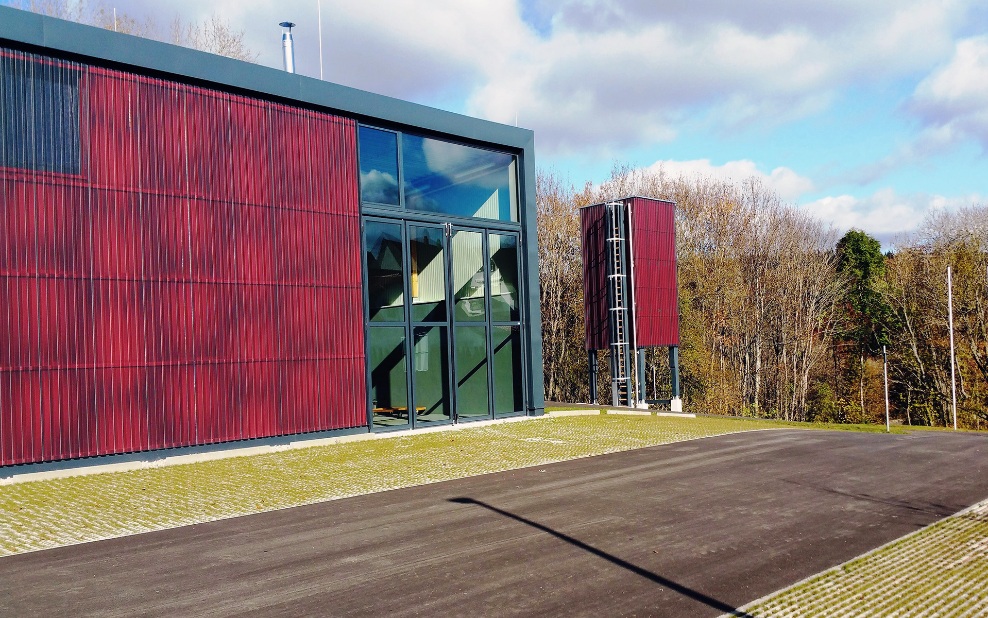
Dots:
{"x": 604, "y": 75}
{"x": 885, "y": 213}
{"x": 953, "y": 100}
{"x": 616, "y": 74}
{"x": 787, "y": 183}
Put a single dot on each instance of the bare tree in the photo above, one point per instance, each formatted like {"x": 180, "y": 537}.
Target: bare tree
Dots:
{"x": 213, "y": 35}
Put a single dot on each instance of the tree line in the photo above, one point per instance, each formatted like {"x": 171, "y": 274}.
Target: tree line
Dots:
{"x": 780, "y": 316}
{"x": 214, "y": 34}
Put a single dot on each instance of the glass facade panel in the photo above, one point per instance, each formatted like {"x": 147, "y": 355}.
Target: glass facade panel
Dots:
{"x": 504, "y": 277}
{"x": 385, "y": 275}
{"x": 428, "y": 274}
{"x": 472, "y": 389}
{"x": 460, "y": 180}
{"x": 430, "y": 374}
{"x": 469, "y": 286}
{"x": 389, "y": 376}
{"x": 378, "y": 166}
{"x": 508, "y": 384}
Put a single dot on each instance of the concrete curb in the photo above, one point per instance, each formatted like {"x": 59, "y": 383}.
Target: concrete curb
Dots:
{"x": 594, "y": 412}
{"x": 247, "y": 451}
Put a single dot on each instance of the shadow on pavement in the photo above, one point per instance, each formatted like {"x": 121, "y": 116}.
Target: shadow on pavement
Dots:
{"x": 637, "y": 570}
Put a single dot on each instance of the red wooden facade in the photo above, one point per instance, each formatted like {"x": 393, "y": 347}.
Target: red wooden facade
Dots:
{"x": 652, "y": 253}
{"x": 193, "y": 277}
{"x": 593, "y": 238}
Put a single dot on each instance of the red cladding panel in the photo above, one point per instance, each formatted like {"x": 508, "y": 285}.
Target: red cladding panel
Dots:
{"x": 594, "y": 248}
{"x": 191, "y": 276}
{"x": 654, "y": 271}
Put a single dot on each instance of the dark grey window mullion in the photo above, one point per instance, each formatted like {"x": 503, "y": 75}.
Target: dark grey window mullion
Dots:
{"x": 450, "y": 337}
{"x": 450, "y": 322}
{"x": 366, "y": 293}
{"x": 426, "y": 218}
{"x": 401, "y": 175}
{"x": 406, "y": 276}
{"x": 488, "y": 323}
{"x": 520, "y": 323}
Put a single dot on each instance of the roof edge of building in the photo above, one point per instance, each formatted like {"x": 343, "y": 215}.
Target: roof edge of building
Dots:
{"x": 25, "y": 29}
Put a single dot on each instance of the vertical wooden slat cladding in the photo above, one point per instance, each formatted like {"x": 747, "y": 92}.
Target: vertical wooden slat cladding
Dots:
{"x": 594, "y": 277}
{"x": 654, "y": 256}
{"x": 191, "y": 275}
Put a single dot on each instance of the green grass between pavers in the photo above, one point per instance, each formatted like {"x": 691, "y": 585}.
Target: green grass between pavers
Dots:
{"x": 941, "y": 570}
{"x": 44, "y": 514}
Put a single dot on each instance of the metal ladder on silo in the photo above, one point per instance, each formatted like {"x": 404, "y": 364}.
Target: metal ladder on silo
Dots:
{"x": 617, "y": 301}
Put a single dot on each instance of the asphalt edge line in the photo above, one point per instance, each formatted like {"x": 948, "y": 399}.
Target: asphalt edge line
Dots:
{"x": 742, "y": 610}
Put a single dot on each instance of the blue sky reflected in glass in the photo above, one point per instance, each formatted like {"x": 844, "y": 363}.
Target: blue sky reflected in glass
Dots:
{"x": 378, "y": 166}
{"x": 459, "y": 180}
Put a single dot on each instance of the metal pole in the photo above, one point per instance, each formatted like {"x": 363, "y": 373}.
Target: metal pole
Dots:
{"x": 319, "y": 11}
{"x": 950, "y": 320}
{"x": 633, "y": 308}
{"x": 885, "y": 370}
{"x": 288, "y": 46}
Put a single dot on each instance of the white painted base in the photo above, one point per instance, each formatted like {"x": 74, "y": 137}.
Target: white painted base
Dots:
{"x": 676, "y": 405}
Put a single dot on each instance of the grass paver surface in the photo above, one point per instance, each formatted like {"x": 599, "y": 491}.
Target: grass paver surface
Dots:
{"x": 941, "y": 570}
{"x": 51, "y": 513}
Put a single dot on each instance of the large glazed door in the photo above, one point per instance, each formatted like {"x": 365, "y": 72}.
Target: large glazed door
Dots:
{"x": 507, "y": 369}
{"x": 471, "y": 325}
{"x": 430, "y": 360}
{"x": 387, "y": 328}
{"x": 444, "y": 324}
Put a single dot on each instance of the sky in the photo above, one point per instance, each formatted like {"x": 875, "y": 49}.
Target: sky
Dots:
{"x": 865, "y": 114}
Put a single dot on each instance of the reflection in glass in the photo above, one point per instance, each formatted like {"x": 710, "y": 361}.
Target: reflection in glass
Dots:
{"x": 430, "y": 361}
{"x": 468, "y": 276}
{"x": 504, "y": 277}
{"x": 385, "y": 278}
{"x": 389, "y": 386}
{"x": 471, "y": 372}
{"x": 428, "y": 274}
{"x": 450, "y": 178}
{"x": 508, "y": 385}
{"x": 378, "y": 166}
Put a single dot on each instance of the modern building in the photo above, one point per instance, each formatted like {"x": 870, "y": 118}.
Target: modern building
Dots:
{"x": 196, "y": 250}
{"x": 631, "y": 295}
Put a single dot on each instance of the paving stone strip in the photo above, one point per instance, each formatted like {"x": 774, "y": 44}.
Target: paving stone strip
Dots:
{"x": 941, "y": 570}
{"x": 50, "y": 513}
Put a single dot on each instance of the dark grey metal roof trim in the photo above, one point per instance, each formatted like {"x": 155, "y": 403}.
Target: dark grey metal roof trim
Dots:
{"x": 100, "y": 46}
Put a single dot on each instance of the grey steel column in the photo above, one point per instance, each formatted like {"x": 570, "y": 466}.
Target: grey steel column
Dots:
{"x": 641, "y": 376}
{"x": 592, "y": 358}
{"x": 674, "y": 370}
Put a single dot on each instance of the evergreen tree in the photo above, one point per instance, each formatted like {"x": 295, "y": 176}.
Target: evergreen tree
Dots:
{"x": 861, "y": 264}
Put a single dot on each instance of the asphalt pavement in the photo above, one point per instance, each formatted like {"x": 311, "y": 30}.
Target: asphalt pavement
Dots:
{"x": 694, "y": 528}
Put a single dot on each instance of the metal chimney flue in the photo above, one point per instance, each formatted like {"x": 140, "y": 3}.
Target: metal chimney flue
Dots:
{"x": 288, "y": 46}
